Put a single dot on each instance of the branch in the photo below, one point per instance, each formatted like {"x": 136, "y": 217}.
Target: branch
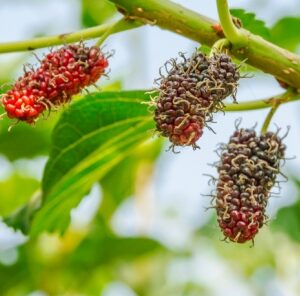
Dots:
{"x": 286, "y": 97}
{"x": 232, "y": 33}
{"x": 48, "y": 41}
{"x": 259, "y": 53}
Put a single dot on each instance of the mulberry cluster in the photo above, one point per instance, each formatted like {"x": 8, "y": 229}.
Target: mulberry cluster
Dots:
{"x": 247, "y": 171}
{"x": 61, "y": 74}
{"x": 190, "y": 93}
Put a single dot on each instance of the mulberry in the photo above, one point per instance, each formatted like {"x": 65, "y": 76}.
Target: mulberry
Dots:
{"x": 74, "y": 67}
{"x": 190, "y": 93}
{"x": 247, "y": 171}
{"x": 62, "y": 73}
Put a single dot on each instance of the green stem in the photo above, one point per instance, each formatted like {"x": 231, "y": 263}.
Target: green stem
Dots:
{"x": 269, "y": 118}
{"x": 289, "y": 96}
{"x": 232, "y": 33}
{"x": 286, "y": 97}
{"x": 219, "y": 46}
{"x": 259, "y": 53}
{"x": 115, "y": 27}
{"x": 276, "y": 103}
{"x": 48, "y": 41}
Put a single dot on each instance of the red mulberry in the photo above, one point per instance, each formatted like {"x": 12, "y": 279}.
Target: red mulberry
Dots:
{"x": 62, "y": 73}
{"x": 190, "y": 92}
{"x": 74, "y": 67}
{"x": 247, "y": 171}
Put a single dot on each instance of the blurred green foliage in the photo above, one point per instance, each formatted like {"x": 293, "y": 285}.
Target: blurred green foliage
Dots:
{"x": 102, "y": 248}
{"x": 24, "y": 135}
{"x": 15, "y": 191}
{"x": 80, "y": 261}
{"x": 96, "y": 12}
{"x": 287, "y": 219}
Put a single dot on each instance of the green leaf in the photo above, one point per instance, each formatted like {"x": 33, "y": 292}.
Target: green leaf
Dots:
{"x": 100, "y": 248}
{"x": 92, "y": 136}
{"x": 125, "y": 175}
{"x": 288, "y": 219}
{"x": 15, "y": 191}
{"x": 286, "y": 34}
{"x": 95, "y": 12}
{"x": 112, "y": 248}
{"x": 251, "y": 24}
{"x": 18, "y": 143}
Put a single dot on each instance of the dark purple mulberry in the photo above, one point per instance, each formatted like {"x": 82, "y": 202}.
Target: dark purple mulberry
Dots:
{"x": 247, "y": 171}
{"x": 190, "y": 92}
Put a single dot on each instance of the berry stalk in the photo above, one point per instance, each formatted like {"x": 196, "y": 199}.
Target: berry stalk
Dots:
{"x": 115, "y": 27}
{"x": 269, "y": 118}
{"x": 273, "y": 110}
{"x": 219, "y": 46}
{"x": 237, "y": 37}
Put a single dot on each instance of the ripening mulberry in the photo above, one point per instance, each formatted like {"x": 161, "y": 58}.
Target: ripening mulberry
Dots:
{"x": 61, "y": 74}
{"x": 247, "y": 171}
{"x": 75, "y": 67}
{"x": 189, "y": 94}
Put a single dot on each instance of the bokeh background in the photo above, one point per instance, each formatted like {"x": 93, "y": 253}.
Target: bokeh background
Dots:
{"x": 160, "y": 240}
